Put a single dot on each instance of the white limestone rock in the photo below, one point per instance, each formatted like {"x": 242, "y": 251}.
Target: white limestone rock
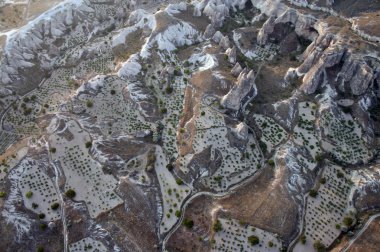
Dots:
{"x": 245, "y": 84}
{"x": 225, "y": 42}
{"x": 231, "y": 53}
{"x": 236, "y": 70}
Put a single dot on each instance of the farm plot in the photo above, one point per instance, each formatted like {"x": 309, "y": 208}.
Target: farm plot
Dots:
{"x": 102, "y": 98}
{"x": 327, "y": 209}
{"x": 237, "y": 164}
{"x": 6, "y": 139}
{"x": 304, "y": 132}
{"x": 8, "y": 162}
{"x": 171, "y": 102}
{"x": 37, "y": 189}
{"x": 21, "y": 116}
{"x": 272, "y": 134}
{"x": 82, "y": 173}
{"x": 257, "y": 52}
{"x": 235, "y": 236}
{"x": 173, "y": 192}
{"x": 87, "y": 245}
{"x": 55, "y": 89}
{"x": 343, "y": 138}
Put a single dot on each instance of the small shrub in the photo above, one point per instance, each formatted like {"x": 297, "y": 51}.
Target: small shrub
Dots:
{"x": 40, "y": 249}
{"x": 303, "y": 239}
{"x": 188, "y": 223}
{"x": 170, "y": 167}
{"x": 263, "y": 147}
{"x": 70, "y": 193}
{"x": 2, "y": 194}
{"x": 253, "y": 240}
{"x": 319, "y": 157}
{"x": 179, "y": 181}
{"x": 217, "y": 226}
{"x": 178, "y": 213}
{"x": 88, "y": 144}
{"x": 169, "y": 90}
{"x": 313, "y": 193}
{"x": 43, "y": 226}
{"x": 271, "y": 162}
{"x": 29, "y": 194}
{"x": 54, "y": 206}
{"x": 348, "y": 221}
{"x": 53, "y": 150}
{"x": 319, "y": 246}
{"x": 323, "y": 180}
{"x": 340, "y": 174}
{"x": 89, "y": 103}
{"x": 41, "y": 216}
{"x": 113, "y": 92}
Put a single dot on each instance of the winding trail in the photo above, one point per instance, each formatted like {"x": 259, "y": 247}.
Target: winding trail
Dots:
{"x": 63, "y": 215}
{"x": 186, "y": 202}
{"x": 231, "y": 190}
{"x": 358, "y": 234}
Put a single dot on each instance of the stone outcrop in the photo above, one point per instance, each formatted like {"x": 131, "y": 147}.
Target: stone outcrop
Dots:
{"x": 217, "y": 10}
{"x": 217, "y": 37}
{"x": 241, "y": 131}
{"x": 358, "y": 75}
{"x": 231, "y": 53}
{"x": 354, "y": 76}
{"x": 266, "y": 30}
{"x": 245, "y": 84}
{"x": 32, "y": 52}
{"x": 302, "y": 25}
{"x": 209, "y": 32}
{"x": 315, "y": 76}
{"x": 236, "y": 70}
{"x": 224, "y": 42}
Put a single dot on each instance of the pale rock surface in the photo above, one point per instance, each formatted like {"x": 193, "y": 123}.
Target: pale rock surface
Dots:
{"x": 245, "y": 84}
{"x": 231, "y": 53}
{"x": 217, "y": 37}
{"x": 236, "y": 70}
{"x": 224, "y": 42}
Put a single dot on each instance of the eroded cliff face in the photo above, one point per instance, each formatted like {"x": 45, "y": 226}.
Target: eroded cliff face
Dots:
{"x": 169, "y": 119}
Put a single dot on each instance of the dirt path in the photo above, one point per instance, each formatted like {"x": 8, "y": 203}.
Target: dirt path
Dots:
{"x": 58, "y": 173}
{"x": 357, "y": 235}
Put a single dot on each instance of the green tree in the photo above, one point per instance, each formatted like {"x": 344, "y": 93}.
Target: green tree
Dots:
{"x": 89, "y": 103}
{"x": 348, "y": 221}
{"x": 70, "y": 193}
{"x": 319, "y": 246}
{"x": 29, "y": 194}
{"x": 253, "y": 240}
{"x": 188, "y": 223}
{"x": 54, "y": 206}
{"x": 217, "y": 226}
{"x": 313, "y": 193}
